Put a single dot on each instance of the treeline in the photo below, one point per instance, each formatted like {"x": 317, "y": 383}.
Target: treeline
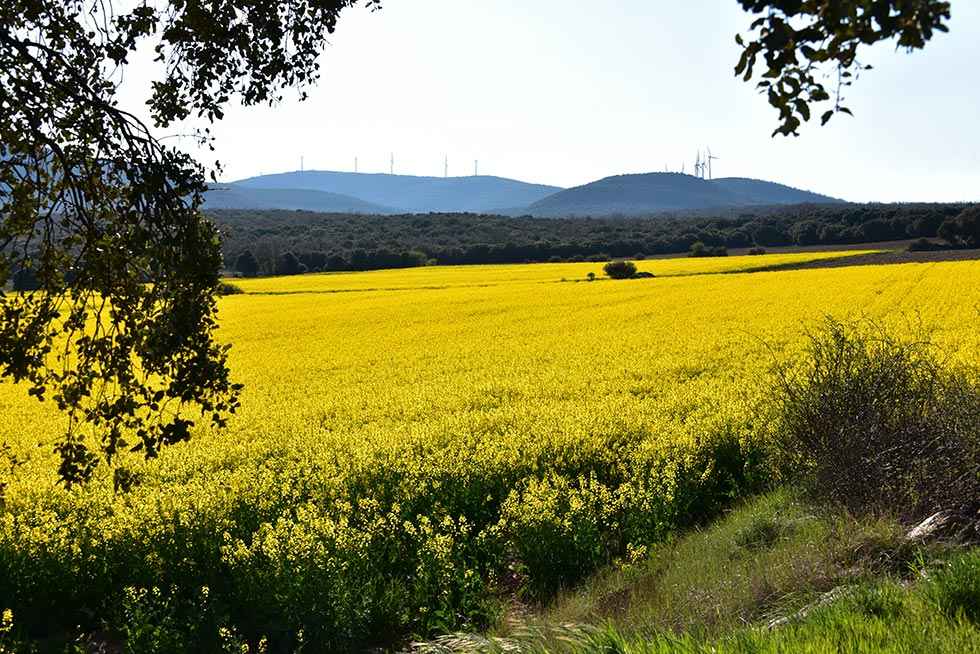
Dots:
{"x": 267, "y": 242}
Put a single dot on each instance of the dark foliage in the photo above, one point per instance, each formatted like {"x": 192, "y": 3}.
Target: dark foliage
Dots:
{"x": 925, "y": 245}
{"x": 288, "y": 264}
{"x": 338, "y": 242}
{"x": 226, "y": 288}
{"x": 101, "y": 220}
{"x": 802, "y": 42}
{"x": 699, "y": 249}
{"x": 964, "y": 230}
{"x": 620, "y": 269}
{"x": 881, "y": 424}
{"x": 247, "y": 264}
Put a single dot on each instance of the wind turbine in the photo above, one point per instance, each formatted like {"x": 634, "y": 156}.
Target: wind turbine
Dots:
{"x": 698, "y": 166}
{"x": 711, "y": 157}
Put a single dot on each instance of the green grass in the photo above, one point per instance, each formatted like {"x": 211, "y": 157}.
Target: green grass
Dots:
{"x": 772, "y": 555}
{"x": 861, "y": 586}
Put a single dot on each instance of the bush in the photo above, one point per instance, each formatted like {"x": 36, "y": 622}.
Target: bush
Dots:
{"x": 620, "y": 269}
{"x": 878, "y": 423}
{"x": 757, "y": 251}
{"x": 699, "y": 249}
{"x": 924, "y": 245}
{"x": 226, "y": 288}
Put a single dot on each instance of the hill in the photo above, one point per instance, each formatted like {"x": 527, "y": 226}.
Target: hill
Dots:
{"x": 758, "y": 192}
{"x": 659, "y": 192}
{"x": 476, "y": 194}
{"x": 233, "y": 196}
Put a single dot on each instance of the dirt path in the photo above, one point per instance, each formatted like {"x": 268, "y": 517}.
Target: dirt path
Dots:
{"x": 882, "y": 258}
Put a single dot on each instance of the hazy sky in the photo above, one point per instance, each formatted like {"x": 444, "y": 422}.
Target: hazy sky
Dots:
{"x": 563, "y": 93}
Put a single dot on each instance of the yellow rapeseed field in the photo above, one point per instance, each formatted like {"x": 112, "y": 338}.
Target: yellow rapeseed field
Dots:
{"x": 410, "y": 440}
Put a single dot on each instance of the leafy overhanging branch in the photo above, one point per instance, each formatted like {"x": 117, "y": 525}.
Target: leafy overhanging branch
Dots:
{"x": 805, "y": 43}
{"x": 114, "y": 267}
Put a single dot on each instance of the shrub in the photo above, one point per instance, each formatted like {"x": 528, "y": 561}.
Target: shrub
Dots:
{"x": 226, "y": 288}
{"x": 878, "y": 423}
{"x": 620, "y": 269}
{"x": 924, "y": 245}
{"x": 757, "y": 251}
{"x": 699, "y": 249}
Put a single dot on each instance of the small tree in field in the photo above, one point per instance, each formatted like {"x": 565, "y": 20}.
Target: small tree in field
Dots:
{"x": 620, "y": 269}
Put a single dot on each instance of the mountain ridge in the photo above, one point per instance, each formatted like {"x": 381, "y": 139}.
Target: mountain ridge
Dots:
{"x": 379, "y": 193}
{"x": 411, "y": 194}
{"x": 231, "y": 196}
{"x": 646, "y": 193}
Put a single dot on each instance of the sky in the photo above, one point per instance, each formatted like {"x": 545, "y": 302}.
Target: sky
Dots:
{"x": 565, "y": 93}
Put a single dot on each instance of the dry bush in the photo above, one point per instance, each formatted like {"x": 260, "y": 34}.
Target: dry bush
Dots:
{"x": 879, "y": 423}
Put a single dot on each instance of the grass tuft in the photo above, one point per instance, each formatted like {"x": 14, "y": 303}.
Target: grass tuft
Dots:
{"x": 955, "y": 588}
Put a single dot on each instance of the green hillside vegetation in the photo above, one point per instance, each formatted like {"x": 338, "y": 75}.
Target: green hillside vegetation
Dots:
{"x": 339, "y": 242}
{"x": 657, "y": 192}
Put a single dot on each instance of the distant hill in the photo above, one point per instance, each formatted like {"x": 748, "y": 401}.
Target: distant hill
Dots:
{"x": 658, "y": 192}
{"x": 233, "y": 196}
{"x": 405, "y": 193}
{"x": 758, "y": 192}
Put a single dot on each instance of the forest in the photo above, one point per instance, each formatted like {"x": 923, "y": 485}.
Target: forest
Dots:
{"x": 292, "y": 242}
